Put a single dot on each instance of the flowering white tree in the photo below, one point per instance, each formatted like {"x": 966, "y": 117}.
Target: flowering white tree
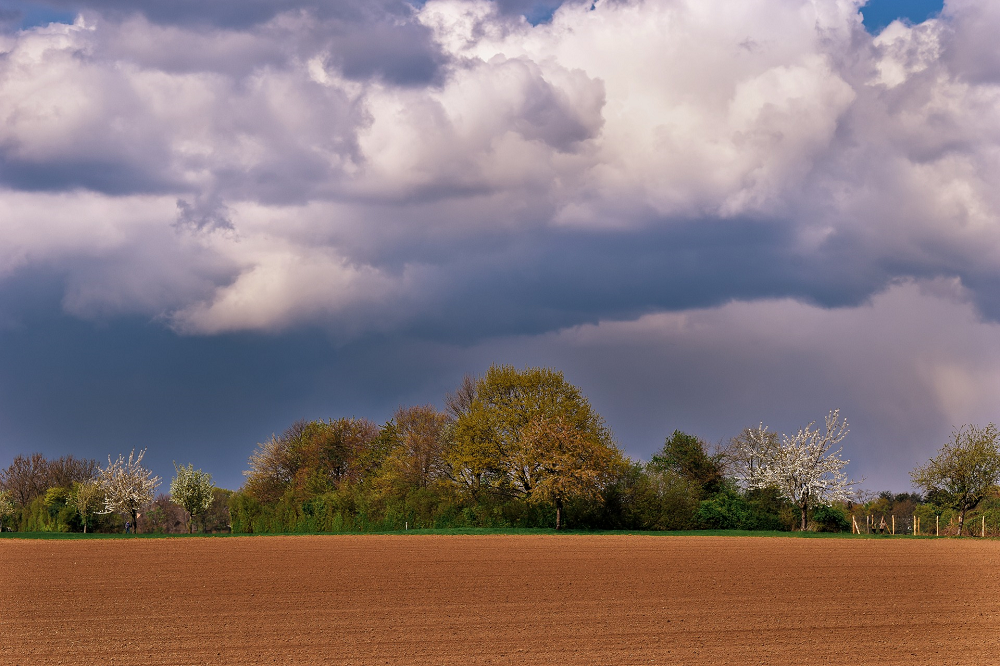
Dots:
{"x": 127, "y": 485}
{"x": 191, "y": 489}
{"x": 6, "y": 506}
{"x": 802, "y": 468}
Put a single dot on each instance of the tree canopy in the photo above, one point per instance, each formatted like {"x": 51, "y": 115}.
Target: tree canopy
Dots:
{"x": 964, "y": 471}
{"x": 192, "y": 489}
{"x": 529, "y": 433}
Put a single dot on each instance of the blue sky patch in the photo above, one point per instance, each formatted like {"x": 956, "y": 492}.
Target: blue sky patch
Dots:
{"x": 23, "y": 15}
{"x": 880, "y": 13}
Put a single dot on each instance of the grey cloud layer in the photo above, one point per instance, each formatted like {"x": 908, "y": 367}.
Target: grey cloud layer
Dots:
{"x": 380, "y": 166}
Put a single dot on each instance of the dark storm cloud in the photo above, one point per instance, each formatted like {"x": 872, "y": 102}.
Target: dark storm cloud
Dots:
{"x": 69, "y": 386}
{"x": 108, "y": 176}
{"x": 365, "y": 38}
{"x": 564, "y": 279}
{"x": 235, "y": 13}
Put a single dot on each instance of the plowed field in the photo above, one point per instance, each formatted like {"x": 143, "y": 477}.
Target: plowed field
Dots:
{"x": 499, "y": 599}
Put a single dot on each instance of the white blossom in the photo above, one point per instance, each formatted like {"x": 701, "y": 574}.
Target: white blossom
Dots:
{"x": 127, "y": 485}
{"x": 802, "y": 468}
{"x": 6, "y": 506}
{"x": 192, "y": 489}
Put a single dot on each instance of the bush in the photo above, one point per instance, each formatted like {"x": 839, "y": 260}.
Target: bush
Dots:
{"x": 724, "y": 511}
{"x": 729, "y": 510}
{"x": 829, "y": 518}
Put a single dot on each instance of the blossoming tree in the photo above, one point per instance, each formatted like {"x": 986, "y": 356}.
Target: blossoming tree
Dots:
{"x": 192, "y": 489}
{"x": 803, "y": 467}
{"x": 127, "y": 485}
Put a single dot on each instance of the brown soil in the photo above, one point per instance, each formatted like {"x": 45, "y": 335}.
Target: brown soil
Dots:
{"x": 499, "y": 599}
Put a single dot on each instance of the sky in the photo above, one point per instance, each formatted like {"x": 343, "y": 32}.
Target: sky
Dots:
{"x": 217, "y": 218}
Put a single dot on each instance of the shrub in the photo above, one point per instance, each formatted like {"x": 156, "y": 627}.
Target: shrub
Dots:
{"x": 830, "y": 518}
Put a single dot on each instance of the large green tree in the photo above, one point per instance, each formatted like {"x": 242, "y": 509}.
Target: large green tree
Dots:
{"x": 531, "y": 434}
{"x": 964, "y": 471}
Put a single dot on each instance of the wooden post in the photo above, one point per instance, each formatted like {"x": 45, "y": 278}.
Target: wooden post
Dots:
{"x": 984, "y": 525}
{"x": 854, "y": 525}
{"x": 893, "y": 524}
{"x": 937, "y": 525}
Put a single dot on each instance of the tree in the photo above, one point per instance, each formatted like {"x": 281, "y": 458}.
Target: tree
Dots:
{"x": 216, "y": 518}
{"x": 192, "y": 490}
{"x": 527, "y": 433}
{"x": 67, "y": 470}
{"x": 87, "y": 498}
{"x": 964, "y": 471}
{"x": 687, "y": 456}
{"x": 127, "y": 486}
{"x": 27, "y": 478}
{"x": 803, "y": 468}
{"x": 745, "y": 452}
{"x": 6, "y": 506}
{"x": 311, "y": 458}
{"x": 420, "y": 436}
{"x": 556, "y": 461}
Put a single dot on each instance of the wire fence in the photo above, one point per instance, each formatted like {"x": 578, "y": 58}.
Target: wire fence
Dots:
{"x": 913, "y": 524}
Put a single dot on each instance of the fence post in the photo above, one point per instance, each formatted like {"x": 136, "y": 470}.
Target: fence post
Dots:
{"x": 893, "y": 524}
{"x": 984, "y": 525}
{"x": 937, "y": 525}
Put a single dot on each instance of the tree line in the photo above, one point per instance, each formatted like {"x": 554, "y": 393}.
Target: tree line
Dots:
{"x": 512, "y": 448}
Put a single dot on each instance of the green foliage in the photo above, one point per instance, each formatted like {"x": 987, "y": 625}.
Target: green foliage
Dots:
{"x": 56, "y": 498}
{"x": 193, "y": 490}
{"x": 666, "y": 501}
{"x": 88, "y": 499}
{"x": 688, "y": 456}
{"x": 49, "y": 512}
{"x": 964, "y": 472}
{"x": 831, "y": 518}
{"x": 731, "y": 510}
{"x": 528, "y": 435}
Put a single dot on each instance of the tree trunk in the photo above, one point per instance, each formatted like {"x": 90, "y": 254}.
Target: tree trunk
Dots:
{"x": 135, "y": 522}
{"x": 804, "y": 506}
{"x": 961, "y": 521}
{"x": 559, "y": 506}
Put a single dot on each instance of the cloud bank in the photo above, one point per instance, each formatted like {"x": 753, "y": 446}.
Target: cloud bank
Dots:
{"x": 268, "y": 167}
